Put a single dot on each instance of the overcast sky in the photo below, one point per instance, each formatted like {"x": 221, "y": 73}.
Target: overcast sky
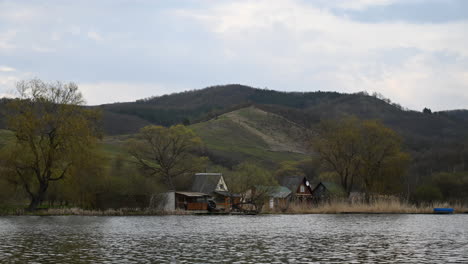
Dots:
{"x": 414, "y": 52}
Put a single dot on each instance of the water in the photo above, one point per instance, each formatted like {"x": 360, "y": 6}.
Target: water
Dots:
{"x": 236, "y": 239}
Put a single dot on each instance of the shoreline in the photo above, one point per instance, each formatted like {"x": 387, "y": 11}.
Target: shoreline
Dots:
{"x": 378, "y": 206}
{"x": 122, "y": 212}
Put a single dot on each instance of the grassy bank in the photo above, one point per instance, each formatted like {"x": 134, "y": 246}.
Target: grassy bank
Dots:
{"x": 83, "y": 212}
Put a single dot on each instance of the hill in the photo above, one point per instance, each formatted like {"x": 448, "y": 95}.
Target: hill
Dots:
{"x": 303, "y": 108}
{"x": 252, "y": 134}
{"x": 434, "y": 140}
{"x": 421, "y": 131}
{"x": 242, "y": 135}
{"x": 202, "y": 105}
{"x": 237, "y": 122}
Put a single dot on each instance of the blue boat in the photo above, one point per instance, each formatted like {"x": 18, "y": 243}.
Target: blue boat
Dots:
{"x": 443, "y": 210}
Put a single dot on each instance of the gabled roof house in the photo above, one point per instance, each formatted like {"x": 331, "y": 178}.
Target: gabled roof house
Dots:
{"x": 300, "y": 187}
{"x": 214, "y": 185}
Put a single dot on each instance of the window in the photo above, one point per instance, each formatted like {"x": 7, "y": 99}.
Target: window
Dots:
{"x": 302, "y": 189}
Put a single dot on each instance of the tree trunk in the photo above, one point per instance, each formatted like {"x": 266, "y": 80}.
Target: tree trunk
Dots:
{"x": 35, "y": 201}
{"x": 38, "y": 197}
{"x": 169, "y": 182}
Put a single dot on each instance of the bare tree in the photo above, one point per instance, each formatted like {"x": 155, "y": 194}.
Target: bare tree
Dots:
{"x": 166, "y": 152}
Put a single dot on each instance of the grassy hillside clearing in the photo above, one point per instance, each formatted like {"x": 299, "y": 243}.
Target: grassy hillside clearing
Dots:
{"x": 252, "y": 134}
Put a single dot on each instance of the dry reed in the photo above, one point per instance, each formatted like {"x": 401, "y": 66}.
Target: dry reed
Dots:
{"x": 382, "y": 206}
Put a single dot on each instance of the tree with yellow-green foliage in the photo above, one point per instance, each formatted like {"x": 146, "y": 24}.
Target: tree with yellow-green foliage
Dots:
{"x": 383, "y": 163}
{"x": 167, "y": 152}
{"x": 53, "y": 132}
{"x": 364, "y": 153}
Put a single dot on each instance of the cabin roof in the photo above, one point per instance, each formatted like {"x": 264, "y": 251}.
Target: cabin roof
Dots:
{"x": 291, "y": 182}
{"x": 192, "y": 194}
{"x": 205, "y": 182}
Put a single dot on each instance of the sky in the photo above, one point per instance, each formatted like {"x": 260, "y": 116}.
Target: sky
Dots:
{"x": 414, "y": 52}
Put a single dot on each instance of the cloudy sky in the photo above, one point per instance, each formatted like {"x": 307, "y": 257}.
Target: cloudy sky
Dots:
{"x": 414, "y": 52}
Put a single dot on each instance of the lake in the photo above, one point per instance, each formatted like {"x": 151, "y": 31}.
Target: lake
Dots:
{"x": 235, "y": 239}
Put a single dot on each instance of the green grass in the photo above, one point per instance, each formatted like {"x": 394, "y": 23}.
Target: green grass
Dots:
{"x": 227, "y": 137}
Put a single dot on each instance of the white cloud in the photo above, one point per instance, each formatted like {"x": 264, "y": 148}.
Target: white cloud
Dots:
{"x": 362, "y": 4}
{"x": 318, "y": 29}
{"x": 6, "y": 95}
{"x": 11, "y": 11}
{"x": 6, "y": 39}
{"x": 7, "y": 85}
{"x": 109, "y": 92}
{"x": 9, "y": 79}
{"x": 55, "y": 36}
{"x": 6, "y": 69}
{"x": 74, "y": 30}
{"x": 95, "y": 36}
{"x": 42, "y": 49}
{"x": 306, "y": 44}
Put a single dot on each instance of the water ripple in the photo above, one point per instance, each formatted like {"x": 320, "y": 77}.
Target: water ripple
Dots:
{"x": 236, "y": 239}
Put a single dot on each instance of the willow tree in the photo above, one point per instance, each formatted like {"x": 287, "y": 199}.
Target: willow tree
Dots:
{"x": 383, "y": 163}
{"x": 52, "y": 132}
{"x": 166, "y": 152}
{"x": 362, "y": 152}
{"x": 338, "y": 146}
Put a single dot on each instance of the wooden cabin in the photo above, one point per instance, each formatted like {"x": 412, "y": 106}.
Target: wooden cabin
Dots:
{"x": 213, "y": 184}
{"x": 191, "y": 201}
{"x": 301, "y": 188}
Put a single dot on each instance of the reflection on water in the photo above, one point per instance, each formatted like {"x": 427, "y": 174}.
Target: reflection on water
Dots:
{"x": 236, "y": 239}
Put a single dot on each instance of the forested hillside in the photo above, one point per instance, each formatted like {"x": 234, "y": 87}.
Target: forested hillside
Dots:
{"x": 243, "y": 124}
{"x": 303, "y": 108}
{"x": 202, "y": 105}
{"x": 433, "y": 138}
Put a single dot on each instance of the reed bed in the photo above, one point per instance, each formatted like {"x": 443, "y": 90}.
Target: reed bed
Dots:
{"x": 380, "y": 205}
{"x": 376, "y": 206}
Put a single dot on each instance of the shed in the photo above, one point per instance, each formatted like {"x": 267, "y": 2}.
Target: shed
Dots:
{"x": 213, "y": 184}
{"x": 171, "y": 201}
{"x": 279, "y": 197}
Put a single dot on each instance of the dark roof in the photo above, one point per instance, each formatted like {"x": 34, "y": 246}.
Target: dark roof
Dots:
{"x": 291, "y": 182}
{"x": 192, "y": 194}
{"x": 205, "y": 182}
{"x": 332, "y": 188}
